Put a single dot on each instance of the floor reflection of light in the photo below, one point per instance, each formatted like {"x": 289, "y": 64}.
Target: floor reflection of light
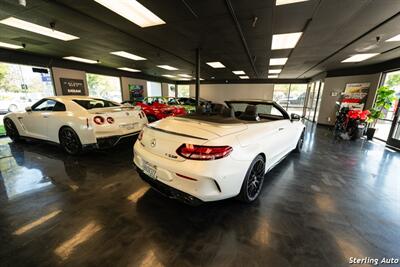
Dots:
{"x": 134, "y": 197}
{"x": 325, "y": 203}
{"x": 67, "y": 247}
{"x": 350, "y": 250}
{"x": 38, "y": 222}
{"x": 261, "y": 235}
{"x": 150, "y": 260}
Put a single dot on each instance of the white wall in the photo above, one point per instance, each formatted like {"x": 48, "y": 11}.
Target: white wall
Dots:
{"x": 68, "y": 73}
{"x": 125, "y": 81}
{"x": 338, "y": 84}
{"x": 222, "y": 92}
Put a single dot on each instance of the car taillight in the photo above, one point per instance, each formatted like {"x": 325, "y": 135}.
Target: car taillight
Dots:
{"x": 110, "y": 120}
{"x": 197, "y": 152}
{"x": 98, "y": 120}
{"x": 140, "y": 136}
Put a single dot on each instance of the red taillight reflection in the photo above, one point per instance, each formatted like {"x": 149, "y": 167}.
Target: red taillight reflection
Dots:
{"x": 110, "y": 120}
{"x": 99, "y": 120}
{"x": 197, "y": 152}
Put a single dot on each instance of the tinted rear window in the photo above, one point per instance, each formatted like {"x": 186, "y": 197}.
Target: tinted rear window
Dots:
{"x": 95, "y": 103}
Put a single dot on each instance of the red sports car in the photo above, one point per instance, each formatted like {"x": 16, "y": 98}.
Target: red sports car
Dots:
{"x": 155, "y": 109}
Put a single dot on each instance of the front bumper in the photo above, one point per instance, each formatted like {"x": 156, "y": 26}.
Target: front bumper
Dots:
{"x": 169, "y": 191}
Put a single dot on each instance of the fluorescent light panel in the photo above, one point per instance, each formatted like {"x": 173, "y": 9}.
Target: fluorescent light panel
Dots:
{"x": 286, "y": 2}
{"x": 168, "y": 76}
{"x": 272, "y": 76}
{"x": 133, "y": 11}
{"x": 216, "y": 65}
{"x": 28, "y": 26}
{"x": 275, "y": 71}
{"x": 185, "y": 75}
{"x": 359, "y": 57}
{"x": 80, "y": 59}
{"x": 167, "y": 67}
{"x": 10, "y": 46}
{"x": 394, "y": 39}
{"x": 127, "y": 55}
{"x": 278, "y": 61}
{"x": 238, "y": 72}
{"x": 285, "y": 40}
{"x": 244, "y": 77}
{"x": 129, "y": 69}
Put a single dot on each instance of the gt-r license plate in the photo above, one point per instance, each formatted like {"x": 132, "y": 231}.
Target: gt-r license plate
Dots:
{"x": 129, "y": 126}
{"x": 150, "y": 170}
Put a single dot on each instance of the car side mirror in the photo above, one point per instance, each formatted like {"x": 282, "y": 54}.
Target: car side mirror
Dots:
{"x": 294, "y": 117}
{"x": 28, "y": 109}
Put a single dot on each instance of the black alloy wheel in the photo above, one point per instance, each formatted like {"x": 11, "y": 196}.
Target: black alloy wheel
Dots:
{"x": 11, "y": 129}
{"x": 69, "y": 140}
{"x": 253, "y": 181}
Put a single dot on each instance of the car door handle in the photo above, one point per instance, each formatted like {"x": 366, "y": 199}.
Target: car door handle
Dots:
{"x": 45, "y": 116}
{"x": 281, "y": 129}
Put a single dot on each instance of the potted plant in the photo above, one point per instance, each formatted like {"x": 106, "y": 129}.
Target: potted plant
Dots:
{"x": 384, "y": 99}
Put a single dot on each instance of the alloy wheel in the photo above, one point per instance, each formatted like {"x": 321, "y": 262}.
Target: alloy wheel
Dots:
{"x": 255, "y": 180}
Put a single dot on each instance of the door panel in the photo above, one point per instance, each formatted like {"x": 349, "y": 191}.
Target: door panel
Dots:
{"x": 35, "y": 124}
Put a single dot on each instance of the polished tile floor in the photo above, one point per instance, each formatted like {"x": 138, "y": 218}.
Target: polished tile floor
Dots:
{"x": 336, "y": 200}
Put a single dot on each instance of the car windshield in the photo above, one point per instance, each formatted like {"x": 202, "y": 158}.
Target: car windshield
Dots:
{"x": 95, "y": 103}
{"x": 263, "y": 110}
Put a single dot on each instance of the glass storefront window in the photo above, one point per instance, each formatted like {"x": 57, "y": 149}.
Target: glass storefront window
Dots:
{"x": 21, "y": 86}
{"x": 154, "y": 89}
{"x": 291, "y": 97}
{"x": 106, "y": 87}
{"x": 183, "y": 90}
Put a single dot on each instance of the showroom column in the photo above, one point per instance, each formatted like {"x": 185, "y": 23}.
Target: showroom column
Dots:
{"x": 197, "y": 76}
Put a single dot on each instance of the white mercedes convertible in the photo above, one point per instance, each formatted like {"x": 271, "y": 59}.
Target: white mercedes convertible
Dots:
{"x": 207, "y": 157}
{"x": 75, "y": 122}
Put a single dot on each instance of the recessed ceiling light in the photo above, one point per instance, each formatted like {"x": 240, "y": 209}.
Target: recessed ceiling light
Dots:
{"x": 359, "y": 57}
{"x": 133, "y": 11}
{"x": 216, "y": 65}
{"x": 394, "y": 39}
{"x": 28, "y": 26}
{"x": 285, "y": 2}
{"x": 10, "y": 46}
{"x": 127, "y": 55}
{"x": 278, "y": 61}
{"x": 85, "y": 60}
{"x": 129, "y": 69}
{"x": 167, "y": 67}
{"x": 272, "y": 76}
{"x": 185, "y": 75}
{"x": 168, "y": 76}
{"x": 275, "y": 71}
{"x": 285, "y": 40}
{"x": 238, "y": 72}
{"x": 244, "y": 77}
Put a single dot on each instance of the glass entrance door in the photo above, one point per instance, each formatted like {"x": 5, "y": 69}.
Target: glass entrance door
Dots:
{"x": 394, "y": 135}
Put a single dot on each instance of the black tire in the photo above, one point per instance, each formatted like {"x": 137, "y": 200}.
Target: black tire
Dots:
{"x": 300, "y": 143}
{"x": 11, "y": 130}
{"x": 69, "y": 141}
{"x": 253, "y": 181}
{"x": 151, "y": 118}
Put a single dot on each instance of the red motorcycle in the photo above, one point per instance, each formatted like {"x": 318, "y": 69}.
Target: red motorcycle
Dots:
{"x": 351, "y": 124}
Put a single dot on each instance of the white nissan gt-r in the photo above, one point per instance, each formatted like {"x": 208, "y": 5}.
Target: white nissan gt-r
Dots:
{"x": 207, "y": 157}
{"x": 75, "y": 122}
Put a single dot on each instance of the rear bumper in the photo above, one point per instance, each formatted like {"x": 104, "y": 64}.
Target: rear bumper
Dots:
{"x": 208, "y": 180}
{"x": 110, "y": 141}
{"x": 169, "y": 191}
